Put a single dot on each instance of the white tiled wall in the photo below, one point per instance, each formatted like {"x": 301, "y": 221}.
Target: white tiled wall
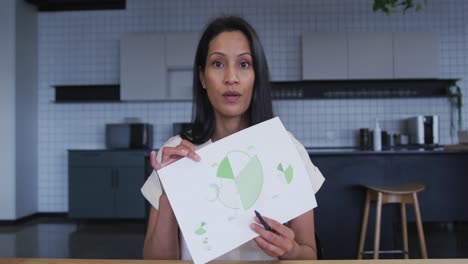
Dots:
{"x": 83, "y": 48}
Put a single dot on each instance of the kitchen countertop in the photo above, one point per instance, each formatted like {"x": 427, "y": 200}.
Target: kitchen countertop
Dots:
{"x": 396, "y": 151}
{"x": 324, "y": 151}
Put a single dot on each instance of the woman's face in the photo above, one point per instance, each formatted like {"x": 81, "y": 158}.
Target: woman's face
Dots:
{"x": 229, "y": 74}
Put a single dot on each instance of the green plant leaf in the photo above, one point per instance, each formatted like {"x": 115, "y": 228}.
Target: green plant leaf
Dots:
{"x": 225, "y": 170}
{"x": 390, "y": 6}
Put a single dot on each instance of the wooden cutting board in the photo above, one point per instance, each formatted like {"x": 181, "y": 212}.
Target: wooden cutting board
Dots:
{"x": 456, "y": 147}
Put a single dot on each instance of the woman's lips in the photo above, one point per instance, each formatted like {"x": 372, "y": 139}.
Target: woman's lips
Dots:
{"x": 231, "y": 97}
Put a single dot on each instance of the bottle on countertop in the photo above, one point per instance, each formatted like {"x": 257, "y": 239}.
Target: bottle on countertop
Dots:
{"x": 364, "y": 139}
{"x": 377, "y": 137}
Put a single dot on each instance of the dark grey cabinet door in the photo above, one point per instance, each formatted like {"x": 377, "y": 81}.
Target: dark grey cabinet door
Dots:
{"x": 445, "y": 179}
{"x": 129, "y": 200}
{"x": 91, "y": 192}
{"x": 341, "y": 200}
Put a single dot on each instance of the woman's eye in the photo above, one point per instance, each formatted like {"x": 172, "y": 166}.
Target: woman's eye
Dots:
{"x": 217, "y": 64}
{"x": 244, "y": 65}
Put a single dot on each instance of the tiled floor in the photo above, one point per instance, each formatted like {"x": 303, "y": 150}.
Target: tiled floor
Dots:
{"x": 58, "y": 237}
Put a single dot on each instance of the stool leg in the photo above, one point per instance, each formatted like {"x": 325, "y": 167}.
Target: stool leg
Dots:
{"x": 377, "y": 225}
{"x": 422, "y": 241}
{"x": 404, "y": 230}
{"x": 365, "y": 219}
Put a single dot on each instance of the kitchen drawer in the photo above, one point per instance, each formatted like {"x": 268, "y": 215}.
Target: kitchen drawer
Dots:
{"x": 106, "y": 158}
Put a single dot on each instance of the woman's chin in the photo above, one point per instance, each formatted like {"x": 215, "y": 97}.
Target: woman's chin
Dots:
{"x": 233, "y": 112}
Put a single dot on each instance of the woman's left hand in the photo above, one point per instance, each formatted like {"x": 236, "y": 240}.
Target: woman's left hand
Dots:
{"x": 277, "y": 243}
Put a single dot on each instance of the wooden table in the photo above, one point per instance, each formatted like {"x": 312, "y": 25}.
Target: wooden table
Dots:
{"x": 109, "y": 261}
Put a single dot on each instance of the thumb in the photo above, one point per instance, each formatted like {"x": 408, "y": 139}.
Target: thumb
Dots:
{"x": 154, "y": 162}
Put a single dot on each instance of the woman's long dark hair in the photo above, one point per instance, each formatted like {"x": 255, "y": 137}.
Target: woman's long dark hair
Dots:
{"x": 260, "y": 109}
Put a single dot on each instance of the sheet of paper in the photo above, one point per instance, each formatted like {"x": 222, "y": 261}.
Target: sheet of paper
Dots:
{"x": 214, "y": 200}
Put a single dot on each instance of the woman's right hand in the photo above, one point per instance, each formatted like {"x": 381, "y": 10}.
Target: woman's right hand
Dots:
{"x": 172, "y": 154}
{"x": 162, "y": 235}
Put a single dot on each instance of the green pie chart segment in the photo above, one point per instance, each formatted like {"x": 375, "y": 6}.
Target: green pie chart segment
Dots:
{"x": 225, "y": 169}
{"x": 249, "y": 182}
{"x": 288, "y": 173}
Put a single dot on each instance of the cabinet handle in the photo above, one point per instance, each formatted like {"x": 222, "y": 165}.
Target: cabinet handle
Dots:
{"x": 112, "y": 179}
{"x": 116, "y": 178}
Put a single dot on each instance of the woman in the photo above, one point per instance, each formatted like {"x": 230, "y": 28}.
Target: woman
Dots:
{"x": 231, "y": 92}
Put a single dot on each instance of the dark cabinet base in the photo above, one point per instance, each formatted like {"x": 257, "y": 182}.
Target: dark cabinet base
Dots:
{"x": 106, "y": 184}
{"x": 338, "y": 217}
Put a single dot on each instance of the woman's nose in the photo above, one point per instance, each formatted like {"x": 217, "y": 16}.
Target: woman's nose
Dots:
{"x": 230, "y": 75}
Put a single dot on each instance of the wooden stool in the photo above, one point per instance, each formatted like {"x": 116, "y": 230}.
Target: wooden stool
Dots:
{"x": 401, "y": 194}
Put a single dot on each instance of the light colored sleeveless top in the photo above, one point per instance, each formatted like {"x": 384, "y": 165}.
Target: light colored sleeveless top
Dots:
{"x": 249, "y": 251}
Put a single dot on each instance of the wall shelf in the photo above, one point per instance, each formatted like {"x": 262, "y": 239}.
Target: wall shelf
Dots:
{"x": 87, "y": 93}
{"x": 360, "y": 89}
{"x": 77, "y": 5}
{"x": 329, "y": 89}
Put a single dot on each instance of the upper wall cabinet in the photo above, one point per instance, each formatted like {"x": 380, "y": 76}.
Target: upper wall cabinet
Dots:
{"x": 338, "y": 56}
{"x": 416, "y": 55}
{"x": 370, "y": 56}
{"x": 157, "y": 66}
{"x": 324, "y": 56}
{"x": 180, "y": 50}
{"x": 180, "y": 55}
{"x": 142, "y": 67}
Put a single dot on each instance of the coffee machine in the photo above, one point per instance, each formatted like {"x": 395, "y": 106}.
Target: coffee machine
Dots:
{"x": 423, "y": 130}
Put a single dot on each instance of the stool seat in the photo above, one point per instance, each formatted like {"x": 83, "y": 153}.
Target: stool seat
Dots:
{"x": 402, "y": 194}
{"x": 399, "y": 189}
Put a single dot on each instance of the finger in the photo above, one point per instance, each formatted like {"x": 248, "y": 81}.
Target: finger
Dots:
{"x": 154, "y": 162}
{"x": 269, "y": 248}
{"x": 193, "y": 156}
{"x": 192, "y": 153}
{"x": 168, "y": 161}
{"x": 188, "y": 144}
{"x": 279, "y": 228}
{"x": 260, "y": 243}
{"x": 271, "y": 237}
{"x": 173, "y": 153}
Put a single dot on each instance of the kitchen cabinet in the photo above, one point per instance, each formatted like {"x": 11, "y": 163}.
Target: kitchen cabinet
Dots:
{"x": 142, "y": 67}
{"x": 416, "y": 55}
{"x": 180, "y": 84}
{"x": 370, "y": 56}
{"x": 339, "y": 56}
{"x": 157, "y": 66}
{"x": 106, "y": 184}
{"x": 180, "y": 55}
{"x": 180, "y": 50}
{"x": 342, "y": 196}
{"x": 324, "y": 56}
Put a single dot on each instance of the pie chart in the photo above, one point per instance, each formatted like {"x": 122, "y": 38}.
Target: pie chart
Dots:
{"x": 241, "y": 180}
